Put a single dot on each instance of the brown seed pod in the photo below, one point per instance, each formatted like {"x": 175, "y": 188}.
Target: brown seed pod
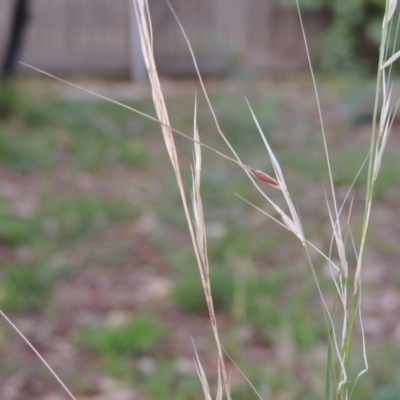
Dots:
{"x": 262, "y": 176}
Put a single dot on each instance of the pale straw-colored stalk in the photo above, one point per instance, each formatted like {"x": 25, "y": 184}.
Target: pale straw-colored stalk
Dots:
{"x": 38, "y": 355}
{"x": 197, "y": 229}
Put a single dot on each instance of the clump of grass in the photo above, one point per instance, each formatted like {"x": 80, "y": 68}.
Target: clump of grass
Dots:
{"x": 24, "y": 288}
{"x": 167, "y": 383}
{"x": 15, "y": 231}
{"x": 9, "y": 100}
{"x": 139, "y": 336}
{"x": 26, "y": 153}
{"x": 73, "y": 217}
{"x": 53, "y": 131}
{"x": 188, "y": 292}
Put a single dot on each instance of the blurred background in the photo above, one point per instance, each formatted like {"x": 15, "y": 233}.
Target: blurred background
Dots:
{"x": 97, "y": 268}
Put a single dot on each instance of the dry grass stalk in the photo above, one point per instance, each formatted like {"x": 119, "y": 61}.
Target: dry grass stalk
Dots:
{"x": 32, "y": 347}
{"x": 197, "y": 231}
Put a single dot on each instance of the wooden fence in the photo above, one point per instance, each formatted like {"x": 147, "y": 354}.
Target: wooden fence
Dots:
{"x": 100, "y": 36}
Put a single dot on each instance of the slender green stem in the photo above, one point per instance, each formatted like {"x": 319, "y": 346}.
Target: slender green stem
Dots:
{"x": 368, "y": 202}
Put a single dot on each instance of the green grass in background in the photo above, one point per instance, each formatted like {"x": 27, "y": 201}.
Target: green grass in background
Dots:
{"x": 188, "y": 292}
{"x": 24, "y": 288}
{"x": 260, "y": 284}
{"x": 138, "y": 336}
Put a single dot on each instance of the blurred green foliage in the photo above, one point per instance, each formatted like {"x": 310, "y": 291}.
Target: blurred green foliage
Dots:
{"x": 167, "y": 383}
{"x": 24, "y": 288}
{"x": 140, "y": 335}
{"x": 351, "y": 40}
{"x": 72, "y": 229}
{"x": 72, "y": 217}
{"x": 189, "y": 295}
{"x": 16, "y": 231}
{"x": 42, "y": 133}
{"x": 69, "y": 218}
